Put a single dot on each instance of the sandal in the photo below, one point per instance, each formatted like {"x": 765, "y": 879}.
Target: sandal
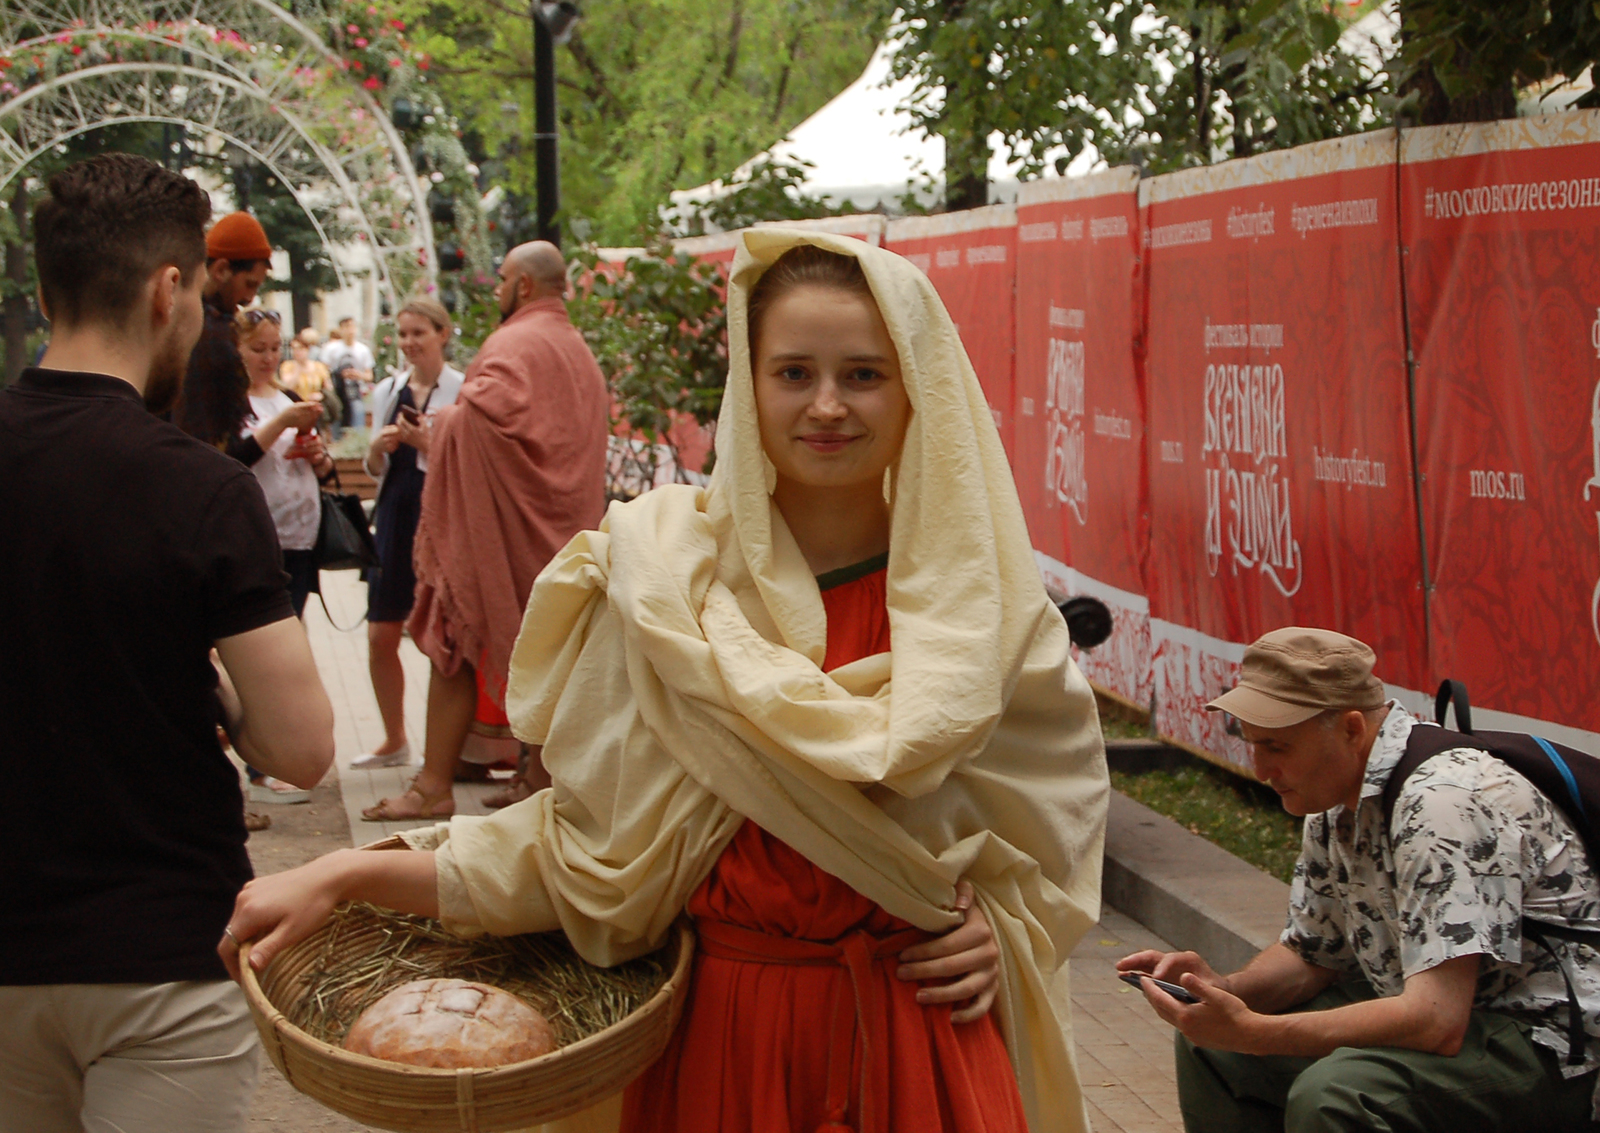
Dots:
{"x": 442, "y": 805}
{"x": 515, "y": 791}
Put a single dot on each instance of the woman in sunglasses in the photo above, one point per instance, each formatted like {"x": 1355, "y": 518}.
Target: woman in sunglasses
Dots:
{"x": 280, "y": 443}
{"x": 292, "y": 456}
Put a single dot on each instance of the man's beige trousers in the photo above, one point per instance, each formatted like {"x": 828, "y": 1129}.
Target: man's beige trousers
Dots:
{"x": 126, "y": 1058}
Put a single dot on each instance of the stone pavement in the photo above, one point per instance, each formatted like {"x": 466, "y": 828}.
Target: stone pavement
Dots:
{"x": 1124, "y": 1051}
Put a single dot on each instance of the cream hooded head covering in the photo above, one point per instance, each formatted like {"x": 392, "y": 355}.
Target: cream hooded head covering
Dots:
{"x": 669, "y": 664}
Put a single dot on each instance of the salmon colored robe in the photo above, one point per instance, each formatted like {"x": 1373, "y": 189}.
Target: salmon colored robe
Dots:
{"x": 516, "y": 469}
{"x": 768, "y": 1047}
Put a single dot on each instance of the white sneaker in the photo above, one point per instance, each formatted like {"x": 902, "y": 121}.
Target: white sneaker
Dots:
{"x": 372, "y": 761}
{"x": 270, "y": 790}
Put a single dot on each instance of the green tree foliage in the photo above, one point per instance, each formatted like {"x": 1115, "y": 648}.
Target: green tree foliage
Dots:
{"x": 1465, "y": 60}
{"x": 1162, "y": 84}
{"x": 655, "y": 95}
{"x": 658, "y": 327}
{"x": 771, "y": 189}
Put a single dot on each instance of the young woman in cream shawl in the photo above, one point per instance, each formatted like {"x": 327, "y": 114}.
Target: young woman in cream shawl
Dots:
{"x": 670, "y": 664}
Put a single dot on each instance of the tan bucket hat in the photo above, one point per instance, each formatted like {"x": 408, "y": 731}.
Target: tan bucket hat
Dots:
{"x": 1292, "y": 674}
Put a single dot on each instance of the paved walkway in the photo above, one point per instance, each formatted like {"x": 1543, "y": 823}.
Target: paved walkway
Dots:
{"x": 1124, "y": 1051}
{"x": 342, "y": 658}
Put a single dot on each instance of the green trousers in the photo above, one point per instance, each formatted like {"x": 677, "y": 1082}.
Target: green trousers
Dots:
{"x": 1500, "y": 1080}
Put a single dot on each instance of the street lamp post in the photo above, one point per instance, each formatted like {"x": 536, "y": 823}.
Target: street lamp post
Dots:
{"x": 552, "y": 24}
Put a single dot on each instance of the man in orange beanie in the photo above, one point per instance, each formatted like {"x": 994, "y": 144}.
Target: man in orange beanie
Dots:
{"x": 215, "y": 403}
{"x": 215, "y": 400}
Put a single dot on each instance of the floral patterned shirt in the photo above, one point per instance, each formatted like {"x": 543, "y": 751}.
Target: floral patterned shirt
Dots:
{"x": 1473, "y": 849}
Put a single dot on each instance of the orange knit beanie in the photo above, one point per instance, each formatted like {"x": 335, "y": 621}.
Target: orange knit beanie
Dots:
{"x": 238, "y": 236}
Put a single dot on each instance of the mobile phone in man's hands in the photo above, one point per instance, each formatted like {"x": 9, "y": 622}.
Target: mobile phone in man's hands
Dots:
{"x": 411, "y": 415}
{"x": 1181, "y": 994}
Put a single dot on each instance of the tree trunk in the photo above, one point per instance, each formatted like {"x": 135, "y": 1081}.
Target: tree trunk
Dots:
{"x": 966, "y": 151}
{"x": 14, "y": 314}
{"x": 966, "y": 169}
{"x": 1202, "y": 98}
{"x": 1434, "y": 106}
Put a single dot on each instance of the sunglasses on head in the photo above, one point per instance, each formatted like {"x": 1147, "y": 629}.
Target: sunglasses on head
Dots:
{"x": 262, "y": 314}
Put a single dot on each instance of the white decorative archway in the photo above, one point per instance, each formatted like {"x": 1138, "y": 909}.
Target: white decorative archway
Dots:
{"x": 244, "y": 72}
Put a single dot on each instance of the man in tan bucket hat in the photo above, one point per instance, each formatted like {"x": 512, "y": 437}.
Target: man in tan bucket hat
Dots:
{"x": 1402, "y": 994}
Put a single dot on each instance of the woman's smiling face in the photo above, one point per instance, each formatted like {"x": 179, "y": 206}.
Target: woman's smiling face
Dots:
{"x": 262, "y": 352}
{"x": 420, "y": 341}
{"x": 830, "y": 399}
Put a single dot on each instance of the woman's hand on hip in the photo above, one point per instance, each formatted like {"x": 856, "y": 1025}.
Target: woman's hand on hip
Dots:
{"x": 967, "y": 956}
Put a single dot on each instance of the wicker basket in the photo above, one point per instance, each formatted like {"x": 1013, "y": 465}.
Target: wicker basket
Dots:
{"x": 415, "y": 1099}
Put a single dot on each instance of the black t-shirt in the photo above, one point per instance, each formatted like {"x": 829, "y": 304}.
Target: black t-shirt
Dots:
{"x": 130, "y": 548}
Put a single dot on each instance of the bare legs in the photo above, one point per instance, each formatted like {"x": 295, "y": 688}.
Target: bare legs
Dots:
{"x": 452, "y": 702}
{"x": 388, "y": 683}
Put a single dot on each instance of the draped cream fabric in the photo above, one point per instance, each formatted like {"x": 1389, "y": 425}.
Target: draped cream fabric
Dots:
{"x": 669, "y": 663}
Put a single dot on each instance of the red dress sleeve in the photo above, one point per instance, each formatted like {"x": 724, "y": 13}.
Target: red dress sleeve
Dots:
{"x": 796, "y": 1022}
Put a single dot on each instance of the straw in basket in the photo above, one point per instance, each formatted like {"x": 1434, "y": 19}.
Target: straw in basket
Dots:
{"x": 612, "y": 1023}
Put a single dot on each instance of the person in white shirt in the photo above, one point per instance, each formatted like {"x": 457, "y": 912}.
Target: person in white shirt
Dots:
{"x": 293, "y": 455}
{"x": 292, "y": 461}
{"x": 402, "y": 406}
{"x": 351, "y": 362}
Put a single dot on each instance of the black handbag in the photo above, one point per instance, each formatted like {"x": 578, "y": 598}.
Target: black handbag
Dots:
{"x": 344, "y": 539}
{"x": 344, "y": 542}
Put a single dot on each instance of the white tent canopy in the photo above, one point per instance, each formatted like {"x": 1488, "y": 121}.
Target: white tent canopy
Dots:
{"x": 864, "y": 149}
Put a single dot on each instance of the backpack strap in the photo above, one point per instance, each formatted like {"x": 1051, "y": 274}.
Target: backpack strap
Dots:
{"x": 1453, "y": 692}
{"x": 1423, "y": 744}
{"x": 1538, "y": 931}
{"x": 1567, "y": 777}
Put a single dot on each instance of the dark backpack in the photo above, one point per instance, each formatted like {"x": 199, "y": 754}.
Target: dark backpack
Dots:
{"x": 1567, "y": 777}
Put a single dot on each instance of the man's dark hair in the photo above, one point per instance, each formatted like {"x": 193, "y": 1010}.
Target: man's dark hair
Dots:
{"x": 108, "y": 224}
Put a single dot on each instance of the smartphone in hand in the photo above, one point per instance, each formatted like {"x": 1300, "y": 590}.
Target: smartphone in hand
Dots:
{"x": 1181, "y": 994}
{"x": 411, "y": 415}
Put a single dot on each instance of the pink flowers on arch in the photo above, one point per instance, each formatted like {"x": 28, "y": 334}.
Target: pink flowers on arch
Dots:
{"x": 372, "y": 82}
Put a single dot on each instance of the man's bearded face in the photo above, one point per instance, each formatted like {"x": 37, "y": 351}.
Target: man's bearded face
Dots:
{"x": 167, "y": 368}
{"x": 171, "y": 359}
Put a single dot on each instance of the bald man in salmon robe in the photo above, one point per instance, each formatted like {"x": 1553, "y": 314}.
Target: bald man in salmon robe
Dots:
{"x": 516, "y": 469}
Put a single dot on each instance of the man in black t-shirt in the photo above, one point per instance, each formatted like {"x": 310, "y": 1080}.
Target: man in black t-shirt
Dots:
{"x": 132, "y": 549}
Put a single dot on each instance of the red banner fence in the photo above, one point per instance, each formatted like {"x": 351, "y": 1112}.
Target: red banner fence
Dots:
{"x": 1354, "y": 385}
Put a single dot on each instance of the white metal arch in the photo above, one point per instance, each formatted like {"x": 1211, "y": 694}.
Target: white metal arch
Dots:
{"x": 328, "y": 141}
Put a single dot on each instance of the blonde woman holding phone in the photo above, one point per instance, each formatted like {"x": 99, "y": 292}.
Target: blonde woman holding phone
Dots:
{"x": 398, "y": 459}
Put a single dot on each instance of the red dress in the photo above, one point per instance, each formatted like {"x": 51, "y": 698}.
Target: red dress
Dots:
{"x": 794, "y": 970}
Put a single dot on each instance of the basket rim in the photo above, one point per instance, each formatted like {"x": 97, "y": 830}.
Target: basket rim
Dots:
{"x": 680, "y": 934}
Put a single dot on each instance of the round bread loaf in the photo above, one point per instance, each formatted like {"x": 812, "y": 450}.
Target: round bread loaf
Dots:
{"x": 450, "y": 1024}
